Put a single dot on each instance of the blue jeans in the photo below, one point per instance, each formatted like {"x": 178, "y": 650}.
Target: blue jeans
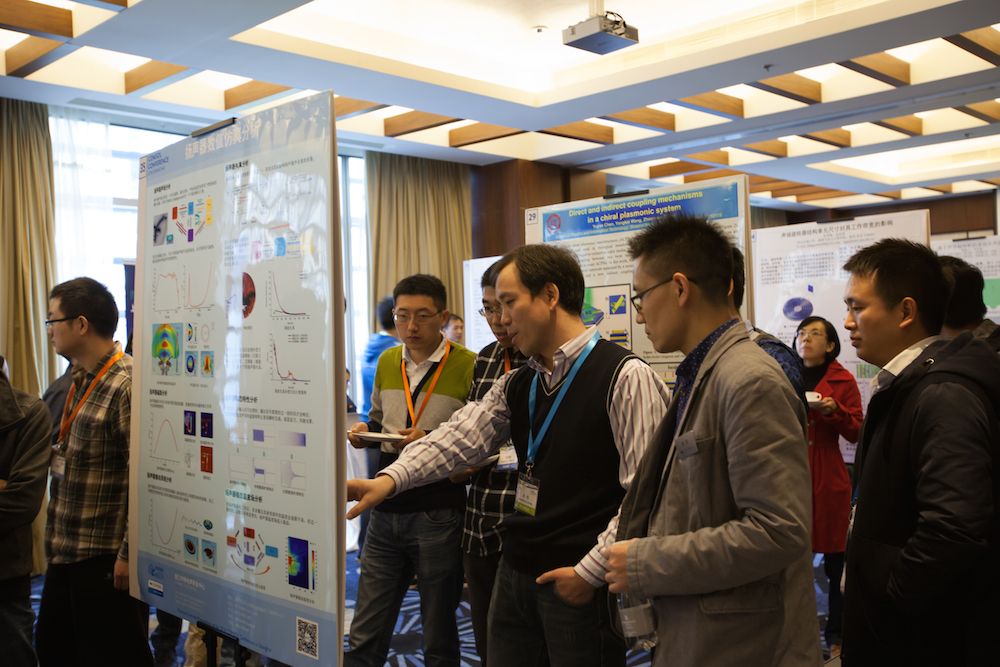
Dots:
{"x": 16, "y": 629}
{"x": 428, "y": 544}
{"x": 531, "y": 625}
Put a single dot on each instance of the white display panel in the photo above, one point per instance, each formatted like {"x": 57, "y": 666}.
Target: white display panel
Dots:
{"x": 239, "y": 396}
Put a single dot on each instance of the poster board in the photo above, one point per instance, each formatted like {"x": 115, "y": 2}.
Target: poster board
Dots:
{"x": 983, "y": 253}
{"x": 598, "y": 231}
{"x": 239, "y": 392}
{"x": 797, "y": 272}
{"x": 477, "y": 331}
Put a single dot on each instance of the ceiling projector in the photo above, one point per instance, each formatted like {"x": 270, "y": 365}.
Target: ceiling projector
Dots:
{"x": 601, "y": 34}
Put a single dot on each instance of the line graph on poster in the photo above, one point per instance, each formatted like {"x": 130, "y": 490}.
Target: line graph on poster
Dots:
{"x": 283, "y": 362}
{"x": 291, "y": 308}
{"x": 166, "y": 291}
{"x": 162, "y": 439}
{"x": 163, "y": 524}
{"x": 198, "y": 287}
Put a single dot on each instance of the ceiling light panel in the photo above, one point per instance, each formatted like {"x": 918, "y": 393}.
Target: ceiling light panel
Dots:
{"x": 9, "y": 38}
{"x": 90, "y": 69}
{"x": 938, "y": 59}
{"x": 206, "y": 90}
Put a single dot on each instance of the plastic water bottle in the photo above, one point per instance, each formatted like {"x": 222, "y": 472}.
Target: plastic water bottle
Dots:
{"x": 638, "y": 621}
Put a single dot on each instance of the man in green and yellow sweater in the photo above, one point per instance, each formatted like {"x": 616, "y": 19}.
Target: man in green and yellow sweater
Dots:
{"x": 418, "y": 385}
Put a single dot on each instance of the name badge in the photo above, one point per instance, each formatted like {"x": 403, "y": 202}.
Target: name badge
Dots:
{"x": 686, "y": 445}
{"x": 526, "y": 499}
{"x": 58, "y": 466}
{"x": 508, "y": 458}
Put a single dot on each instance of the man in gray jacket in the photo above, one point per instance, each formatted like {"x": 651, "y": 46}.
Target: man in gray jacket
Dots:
{"x": 715, "y": 528}
{"x": 24, "y": 465}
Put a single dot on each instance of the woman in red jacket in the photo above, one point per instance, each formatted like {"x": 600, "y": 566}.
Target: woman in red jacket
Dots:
{"x": 837, "y": 413}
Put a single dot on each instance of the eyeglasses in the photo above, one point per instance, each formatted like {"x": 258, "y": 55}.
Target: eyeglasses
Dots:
{"x": 419, "y": 318}
{"x": 49, "y": 323}
{"x": 803, "y": 334}
{"x": 490, "y": 312}
{"x": 637, "y": 299}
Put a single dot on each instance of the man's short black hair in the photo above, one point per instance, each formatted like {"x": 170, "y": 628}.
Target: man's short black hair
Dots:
{"x": 454, "y": 318}
{"x": 966, "y": 307}
{"x": 899, "y": 268}
{"x": 739, "y": 277}
{"x": 539, "y": 264}
{"x": 831, "y": 335}
{"x": 422, "y": 284}
{"x": 690, "y": 245}
{"x": 490, "y": 275}
{"x": 89, "y": 298}
{"x": 384, "y": 311}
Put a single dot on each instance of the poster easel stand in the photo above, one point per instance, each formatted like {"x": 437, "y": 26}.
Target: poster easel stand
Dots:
{"x": 211, "y": 639}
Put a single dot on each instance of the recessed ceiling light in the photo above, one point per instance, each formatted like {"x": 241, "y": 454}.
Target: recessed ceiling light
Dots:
{"x": 539, "y": 29}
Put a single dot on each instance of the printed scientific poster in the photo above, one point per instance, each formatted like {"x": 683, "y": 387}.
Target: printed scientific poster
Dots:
{"x": 983, "y": 253}
{"x": 598, "y": 231}
{"x": 477, "y": 330}
{"x": 238, "y": 396}
{"x": 798, "y": 272}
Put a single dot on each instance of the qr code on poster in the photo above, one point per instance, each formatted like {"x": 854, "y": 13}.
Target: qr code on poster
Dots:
{"x": 307, "y": 637}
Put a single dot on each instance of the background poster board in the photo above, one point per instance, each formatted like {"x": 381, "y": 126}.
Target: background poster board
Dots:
{"x": 797, "y": 272}
{"x": 983, "y": 253}
{"x": 598, "y": 231}
{"x": 239, "y": 389}
{"x": 477, "y": 331}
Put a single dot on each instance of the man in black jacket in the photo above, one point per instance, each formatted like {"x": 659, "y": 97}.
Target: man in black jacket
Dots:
{"x": 922, "y": 556}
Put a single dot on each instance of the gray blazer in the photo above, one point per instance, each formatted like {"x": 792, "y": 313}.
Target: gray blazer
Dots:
{"x": 725, "y": 553}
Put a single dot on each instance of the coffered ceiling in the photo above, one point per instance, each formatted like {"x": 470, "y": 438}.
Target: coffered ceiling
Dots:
{"x": 826, "y": 103}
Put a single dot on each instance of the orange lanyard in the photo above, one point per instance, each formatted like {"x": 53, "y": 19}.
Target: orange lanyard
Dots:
{"x": 406, "y": 385}
{"x": 64, "y": 428}
{"x": 506, "y": 361}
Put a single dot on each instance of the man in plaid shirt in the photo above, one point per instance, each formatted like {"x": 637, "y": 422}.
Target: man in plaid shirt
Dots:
{"x": 86, "y": 545}
{"x": 491, "y": 496}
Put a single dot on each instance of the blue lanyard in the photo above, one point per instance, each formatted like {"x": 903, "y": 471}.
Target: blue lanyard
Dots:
{"x": 534, "y": 442}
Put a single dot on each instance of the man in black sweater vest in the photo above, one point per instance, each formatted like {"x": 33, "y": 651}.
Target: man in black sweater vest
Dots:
{"x": 578, "y": 438}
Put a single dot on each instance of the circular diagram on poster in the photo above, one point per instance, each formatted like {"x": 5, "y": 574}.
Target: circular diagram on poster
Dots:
{"x": 797, "y": 308}
{"x": 249, "y": 295}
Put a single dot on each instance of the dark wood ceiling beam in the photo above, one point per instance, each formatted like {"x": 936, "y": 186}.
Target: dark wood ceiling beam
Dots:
{"x": 584, "y": 131}
{"x": 346, "y": 107}
{"x": 474, "y": 134}
{"x": 45, "y": 59}
{"x": 894, "y": 194}
{"x": 773, "y": 148}
{"x": 715, "y": 103}
{"x": 882, "y": 66}
{"x": 823, "y": 194}
{"x": 645, "y": 117}
{"x": 152, "y": 72}
{"x": 800, "y": 189}
{"x": 773, "y": 186}
{"x": 708, "y": 175}
{"x": 983, "y": 43}
{"x": 947, "y": 188}
{"x": 715, "y": 157}
{"x": 36, "y": 16}
{"x": 988, "y": 112}
{"x": 414, "y": 121}
{"x": 910, "y": 125}
{"x": 838, "y": 137}
{"x": 27, "y": 51}
{"x": 793, "y": 86}
{"x": 251, "y": 91}
{"x": 675, "y": 169}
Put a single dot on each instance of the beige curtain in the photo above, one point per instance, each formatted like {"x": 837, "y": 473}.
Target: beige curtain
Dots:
{"x": 420, "y": 221}
{"x": 26, "y": 242}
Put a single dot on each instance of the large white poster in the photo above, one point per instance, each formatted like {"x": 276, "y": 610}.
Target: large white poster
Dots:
{"x": 798, "y": 272}
{"x": 477, "y": 331}
{"x": 239, "y": 391}
{"x": 598, "y": 231}
{"x": 983, "y": 253}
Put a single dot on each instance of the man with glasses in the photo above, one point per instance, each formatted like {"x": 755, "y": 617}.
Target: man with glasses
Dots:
{"x": 86, "y": 537}
{"x": 575, "y": 459}
{"x": 417, "y": 386}
{"x": 715, "y": 527}
{"x": 491, "y": 494}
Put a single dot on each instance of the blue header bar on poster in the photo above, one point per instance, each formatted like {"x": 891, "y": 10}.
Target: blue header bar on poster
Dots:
{"x": 634, "y": 213}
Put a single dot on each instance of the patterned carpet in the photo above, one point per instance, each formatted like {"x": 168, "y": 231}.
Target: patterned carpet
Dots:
{"x": 404, "y": 651}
